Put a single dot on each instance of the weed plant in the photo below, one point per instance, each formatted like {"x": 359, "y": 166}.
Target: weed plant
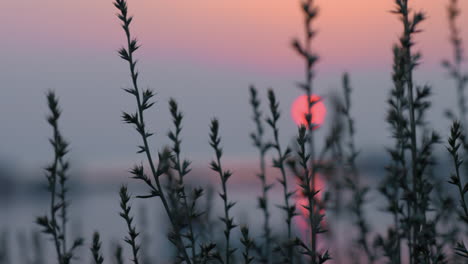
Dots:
{"x": 280, "y": 162}
{"x": 224, "y": 176}
{"x": 262, "y": 146}
{"x": 454, "y": 66}
{"x": 409, "y": 184}
{"x": 353, "y": 181}
{"x": 96, "y": 249}
{"x": 457, "y": 181}
{"x": 55, "y": 223}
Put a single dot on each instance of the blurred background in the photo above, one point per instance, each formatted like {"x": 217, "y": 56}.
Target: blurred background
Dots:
{"x": 205, "y": 54}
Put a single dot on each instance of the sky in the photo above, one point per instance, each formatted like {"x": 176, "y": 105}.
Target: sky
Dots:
{"x": 205, "y": 54}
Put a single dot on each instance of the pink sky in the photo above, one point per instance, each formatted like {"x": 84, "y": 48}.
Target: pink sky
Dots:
{"x": 205, "y": 53}
{"x": 253, "y": 34}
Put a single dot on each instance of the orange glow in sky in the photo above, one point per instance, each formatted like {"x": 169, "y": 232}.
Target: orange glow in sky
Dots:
{"x": 299, "y": 110}
{"x": 254, "y": 34}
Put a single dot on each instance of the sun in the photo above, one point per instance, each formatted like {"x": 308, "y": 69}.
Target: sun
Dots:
{"x": 300, "y": 108}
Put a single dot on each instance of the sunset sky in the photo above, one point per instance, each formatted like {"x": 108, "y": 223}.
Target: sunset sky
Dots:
{"x": 204, "y": 53}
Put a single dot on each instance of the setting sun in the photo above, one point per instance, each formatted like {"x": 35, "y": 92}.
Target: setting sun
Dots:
{"x": 299, "y": 110}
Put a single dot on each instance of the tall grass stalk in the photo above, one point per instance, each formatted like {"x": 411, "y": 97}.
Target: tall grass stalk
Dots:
{"x": 353, "y": 179}
{"x": 304, "y": 176}
{"x": 397, "y": 171}
{"x": 56, "y": 175}
{"x": 224, "y": 175}
{"x": 310, "y": 11}
{"x": 409, "y": 104}
{"x": 143, "y": 100}
{"x": 454, "y": 66}
{"x": 455, "y": 179}
{"x": 96, "y": 249}
{"x": 125, "y": 214}
{"x": 454, "y": 69}
{"x": 409, "y": 62}
{"x": 248, "y": 244}
{"x": 279, "y": 162}
{"x": 182, "y": 167}
{"x": 258, "y": 141}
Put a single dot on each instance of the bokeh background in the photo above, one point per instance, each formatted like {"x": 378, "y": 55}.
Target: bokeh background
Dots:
{"x": 205, "y": 54}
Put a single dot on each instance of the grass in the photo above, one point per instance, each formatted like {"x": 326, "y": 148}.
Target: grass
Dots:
{"x": 280, "y": 162}
{"x": 457, "y": 181}
{"x": 96, "y": 249}
{"x": 262, "y": 146}
{"x": 417, "y": 234}
{"x": 353, "y": 181}
{"x": 55, "y": 224}
{"x": 310, "y": 12}
{"x": 454, "y": 66}
{"x": 224, "y": 176}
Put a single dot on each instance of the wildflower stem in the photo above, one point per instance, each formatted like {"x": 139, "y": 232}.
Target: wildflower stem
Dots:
{"x": 182, "y": 168}
{"x": 279, "y": 163}
{"x": 127, "y": 54}
{"x": 224, "y": 175}
{"x": 258, "y": 142}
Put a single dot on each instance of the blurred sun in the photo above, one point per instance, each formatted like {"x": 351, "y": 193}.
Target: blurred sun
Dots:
{"x": 300, "y": 108}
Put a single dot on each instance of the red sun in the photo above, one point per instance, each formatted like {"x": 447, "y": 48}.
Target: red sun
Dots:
{"x": 299, "y": 110}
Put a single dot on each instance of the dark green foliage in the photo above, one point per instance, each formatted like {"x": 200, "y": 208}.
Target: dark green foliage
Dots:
{"x": 454, "y": 66}
{"x": 224, "y": 175}
{"x": 248, "y": 244}
{"x": 408, "y": 186}
{"x": 310, "y": 12}
{"x": 456, "y": 179}
{"x": 353, "y": 181}
{"x": 208, "y": 253}
{"x": 258, "y": 141}
{"x": 56, "y": 175}
{"x": 144, "y": 102}
{"x": 96, "y": 249}
{"x": 305, "y": 182}
{"x": 125, "y": 214}
{"x": 187, "y": 212}
{"x": 356, "y": 206}
{"x": 458, "y": 134}
{"x": 397, "y": 171}
{"x": 317, "y": 257}
{"x": 279, "y": 163}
